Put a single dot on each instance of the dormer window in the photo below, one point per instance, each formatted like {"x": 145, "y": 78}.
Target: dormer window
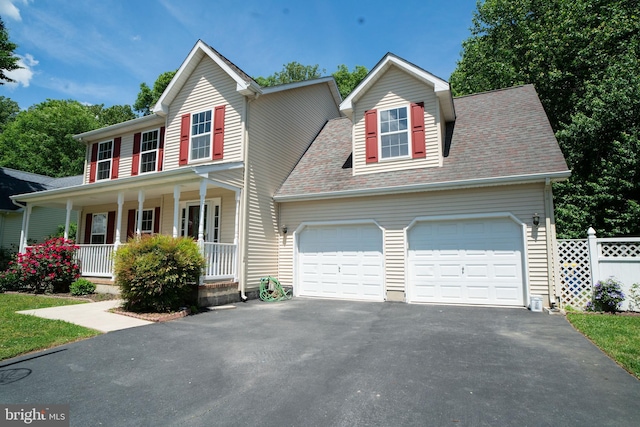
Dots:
{"x": 105, "y": 154}
{"x": 394, "y": 133}
{"x": 201, "y": 136}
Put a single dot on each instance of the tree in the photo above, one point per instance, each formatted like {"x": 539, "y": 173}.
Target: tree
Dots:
{"x": 346, "y": 80}
{"x": 112, "y": 115}
{"x": 8, "y": 111}
{"x": 291, "y": 72}
{"x": 582, "y": 57}
{"x": 148, "y": 97}
{"x": 40, "y": 139}
{"x": 8, "y": 61}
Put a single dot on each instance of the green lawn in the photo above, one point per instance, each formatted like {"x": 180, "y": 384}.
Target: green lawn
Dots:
{"x": 21, "y": 333}
{"x": 618, "y": 336}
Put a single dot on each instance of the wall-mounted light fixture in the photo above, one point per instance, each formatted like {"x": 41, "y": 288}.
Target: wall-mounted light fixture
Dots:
{"x": 284, "y": 229}
{"x": 536, "y": 220}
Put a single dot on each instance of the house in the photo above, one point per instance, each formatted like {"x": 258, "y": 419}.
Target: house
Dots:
{"x": 398, "y": 192}
{"x": 44, "y": 221}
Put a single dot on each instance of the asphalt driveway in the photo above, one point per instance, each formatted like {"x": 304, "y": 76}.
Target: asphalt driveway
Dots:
{"x": 333, "y": 363}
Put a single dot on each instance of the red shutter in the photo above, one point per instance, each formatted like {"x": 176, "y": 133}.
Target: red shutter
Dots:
{"x": 184, "y": 139}
{"x": 94, "y": 162}
{"x": 417, "y": 130}
{"x": 135, "y": 157}
{"x": 87, "y": 228}
{"x": 161, "y": 149}
{"x": 131, "y": 223}
{"x": 371, "y": 134}
{"x": 115, "y": 163}
{"x": 111, "y": 226}
{"x": 156, "y": 220}
{"x": 218, "y": 133}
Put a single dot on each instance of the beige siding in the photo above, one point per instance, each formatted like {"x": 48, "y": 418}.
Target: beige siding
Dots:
{"x": 209, "y": 86}
{"x": 43, "y": 222}
{"x": 281, "y": 127}
{"x": 520, "y": 200}
{"x": 396, "y": 88}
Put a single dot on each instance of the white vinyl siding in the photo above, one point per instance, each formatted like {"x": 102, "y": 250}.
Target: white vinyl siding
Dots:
{"x": 207, "y": 87}
{"x": 520, "y": 200}
{"x": 43, "y": 222}
{"x": 396, "y": 88}
{"x": 281, "y": 127}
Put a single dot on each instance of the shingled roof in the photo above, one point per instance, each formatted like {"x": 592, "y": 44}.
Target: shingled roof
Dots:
{"x": 499, "y": 135}
{"x": 13, "y": 181}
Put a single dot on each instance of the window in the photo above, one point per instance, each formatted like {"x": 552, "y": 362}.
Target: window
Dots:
{"x": 147, "y": 221}
{"x": 394, "y": 133}
{"x": 99, "y": 229}
{"x": 105, "y": 154}
{"x": 149, "y": 151}
{"x": 201, "y": 135}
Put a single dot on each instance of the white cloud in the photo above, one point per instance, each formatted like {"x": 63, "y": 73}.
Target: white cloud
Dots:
{"x": 9, "y": 9}
{"x": 22, "y": 76}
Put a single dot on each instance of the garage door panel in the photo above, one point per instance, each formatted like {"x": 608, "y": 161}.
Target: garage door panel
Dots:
{"x": 470, "y": 261}
{"x": 349, "y": 258}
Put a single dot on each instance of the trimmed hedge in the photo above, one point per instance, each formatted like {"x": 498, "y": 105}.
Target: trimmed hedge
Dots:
{"x": 158, "y": 273}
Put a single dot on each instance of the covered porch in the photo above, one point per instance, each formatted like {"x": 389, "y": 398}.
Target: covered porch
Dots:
{"x": 200, "y": 202}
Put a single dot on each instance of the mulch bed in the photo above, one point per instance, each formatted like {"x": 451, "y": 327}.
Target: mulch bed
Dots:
{"x": 152, "y": 317}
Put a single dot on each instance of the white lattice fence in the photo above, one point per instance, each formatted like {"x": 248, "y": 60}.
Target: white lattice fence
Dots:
{"x": 575, "y": 274}
{"x": 610, "y": 248}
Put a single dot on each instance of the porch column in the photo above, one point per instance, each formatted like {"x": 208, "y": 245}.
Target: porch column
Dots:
{"x": 236, "y": 235}
{"x": 176, "y": 211}
{"x": 119, "y": 220}
{"x": 203, "y": 193}
{"x": 24, "y": 233}
{"x": 67, "y": 219}
{"x": 140, "y": 207}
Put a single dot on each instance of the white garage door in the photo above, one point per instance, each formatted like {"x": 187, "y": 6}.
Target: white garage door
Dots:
{"x": 341, "y": 262}
{"x": 466, "y": 262}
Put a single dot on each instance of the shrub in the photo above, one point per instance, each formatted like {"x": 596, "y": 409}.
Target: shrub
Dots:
{"x": 607, "y": 296}
{"x": 82, "y": 287}
{"x": 6, "y": 256}
{"x": 73, "y": 231}
{"x": 157, "y": 274}
{"x": 48, "y": 267}
{"x": 9, "y": 281}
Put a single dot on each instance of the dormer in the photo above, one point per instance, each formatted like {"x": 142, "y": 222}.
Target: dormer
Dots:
{"x": 398, "y": 113}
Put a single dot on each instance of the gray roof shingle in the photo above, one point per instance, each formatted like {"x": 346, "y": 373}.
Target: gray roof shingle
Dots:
{"x": 503, "y": 133}
{"x": 13, "y": 182}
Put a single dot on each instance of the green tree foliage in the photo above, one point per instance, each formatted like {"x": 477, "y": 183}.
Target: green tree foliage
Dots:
{"x": 348, "y": 80}
{"x": 112, "y": 115}
{"x": 582, "y": 57}
{"x": 8, "y": 111}
{"x": 147, "y": 97}
{"x": 8, "y": 61}
{"x": 40, "y": 139}
{"x": 291, "y": 72}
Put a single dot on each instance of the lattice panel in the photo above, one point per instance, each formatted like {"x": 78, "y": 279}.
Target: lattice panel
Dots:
{"x": 575, "y": 274}
{"x": 619, "y": 250}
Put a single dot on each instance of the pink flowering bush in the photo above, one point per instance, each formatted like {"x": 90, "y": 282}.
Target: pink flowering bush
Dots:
{"x": 47, "y": 267}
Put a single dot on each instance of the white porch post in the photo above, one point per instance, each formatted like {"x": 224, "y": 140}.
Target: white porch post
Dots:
{"x": 24, "y": 233}
{"x": 176, "y": 211}
{"x": 203, "y": 194}
{"x": 140, "y": 207}
{"x": 68, "y": 218}
{"x": 236, "y": 235}
{"x": 117, "y": 241}
{"x": 593, "y": 256}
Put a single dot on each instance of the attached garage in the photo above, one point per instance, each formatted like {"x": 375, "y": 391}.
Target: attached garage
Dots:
{"x": 340, "y": 261}
{"x": 468, "y": 261}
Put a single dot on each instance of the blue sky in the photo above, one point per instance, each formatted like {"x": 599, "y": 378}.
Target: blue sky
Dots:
{"x": 98, "y": 52}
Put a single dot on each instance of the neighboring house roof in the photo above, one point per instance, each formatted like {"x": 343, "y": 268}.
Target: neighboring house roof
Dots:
{"x": 13, "y": 181}
{"x": 498, "y": 137}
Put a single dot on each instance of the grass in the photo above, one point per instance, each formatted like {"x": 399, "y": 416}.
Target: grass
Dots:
{"x": 21, "y": 333}
{"x": 618, "y": 336}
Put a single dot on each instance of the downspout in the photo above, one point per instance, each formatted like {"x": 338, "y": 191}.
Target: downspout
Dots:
{"x": 245, "y": 205}
{"x": 552, "y": 265}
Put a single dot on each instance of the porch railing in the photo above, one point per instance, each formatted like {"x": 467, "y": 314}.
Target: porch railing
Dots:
{"x": 96, "y": 260}
{"x": 221, "y": 260}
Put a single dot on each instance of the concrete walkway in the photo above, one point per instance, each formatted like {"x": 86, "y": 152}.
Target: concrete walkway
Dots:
{"x": 94, "y": 315}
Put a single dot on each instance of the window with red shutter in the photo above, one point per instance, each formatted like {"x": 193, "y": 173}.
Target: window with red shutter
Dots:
{"x": 184, "y": 139}
{"x": 135, "y": 157}
{"x": 417, "y": 130}
{"x": 218, "y": 133}
{"x": 116, "y": 158}
{"x": 94, "y": 162}
{"x": 371, "y": 135}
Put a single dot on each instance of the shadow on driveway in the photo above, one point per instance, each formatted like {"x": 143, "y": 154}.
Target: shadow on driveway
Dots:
{"x": 336, "y": 363}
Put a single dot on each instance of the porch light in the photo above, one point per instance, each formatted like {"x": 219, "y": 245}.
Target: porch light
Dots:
{"x": 536, "y": 220}
{"x": 284, "y": 229}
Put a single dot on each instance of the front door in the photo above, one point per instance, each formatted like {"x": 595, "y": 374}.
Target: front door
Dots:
{"x": 191, "y": 220}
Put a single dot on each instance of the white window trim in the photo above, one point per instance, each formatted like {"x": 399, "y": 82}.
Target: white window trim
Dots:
{"x": 153, "y": 219}
{"x": 157, "y": 151}
{"x": 211, "y": 203}
{"x": 206, "y": 158}
{"x": 106, "y": 227}
{"x": 110, "y": 160}
{"x": 409, "y": 146}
